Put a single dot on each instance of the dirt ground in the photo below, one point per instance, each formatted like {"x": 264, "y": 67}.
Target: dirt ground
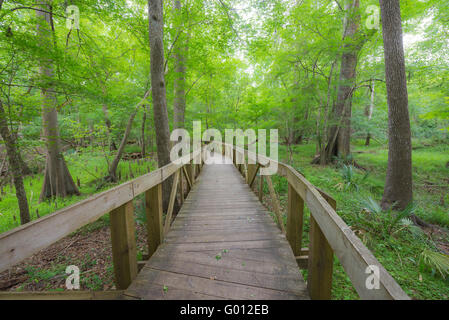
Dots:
{"x": 90, "y": 250}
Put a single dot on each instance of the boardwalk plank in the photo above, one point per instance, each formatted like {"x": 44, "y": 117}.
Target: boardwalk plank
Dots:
{"x": 222, "y": 245}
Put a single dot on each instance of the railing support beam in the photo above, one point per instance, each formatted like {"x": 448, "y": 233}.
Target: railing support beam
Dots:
{"x": 295, "y": 220}
{"x": 260, "y": 187}
{"x": 252, "y": 174}
{"x": 123, "y": 238}
{"x": 153, "y": 208}
{"x": 321, "y": 262}
{"x": 190, "y": 173}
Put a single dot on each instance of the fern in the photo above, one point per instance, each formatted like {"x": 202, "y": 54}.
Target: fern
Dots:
{"x": 350, "y": 179}
{"x": 385, "y": 222}
{"x": 436, "y": 261}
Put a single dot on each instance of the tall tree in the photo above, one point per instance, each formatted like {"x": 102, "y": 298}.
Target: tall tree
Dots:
{"x": 114, "y": 165}
{"x": 156, "y": 34}
{"x": 57, "y": 179}
{"x": 181, "y": 48}
{"x": 14, "y": 160}
{"x": 340, "y": 134}
{"x": 107, "y": 120}
{"x": 369, "y": 111}
{"x": 398, "y": 186}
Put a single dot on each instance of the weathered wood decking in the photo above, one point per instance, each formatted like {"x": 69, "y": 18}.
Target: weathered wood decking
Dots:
{"x": 222, "y": 245}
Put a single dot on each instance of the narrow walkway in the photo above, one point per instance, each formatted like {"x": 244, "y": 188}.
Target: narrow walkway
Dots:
{"x": 222, "y": 245}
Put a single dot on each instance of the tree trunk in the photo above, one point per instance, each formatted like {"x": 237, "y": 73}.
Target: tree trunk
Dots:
{"x": 156, "y": 31}
{"x": 25, "y": 169}
{"x": 15, "y": 166}
{"x": 149, "y": 129}
{"x": 180, "y": 70}
{"x": 57, "y": 179}
{"x": 369, "y": 113}
{"x": 340, "y": 133}
{"x": 118, "y": 156}
{"x": 112, "y": 145}
{"x": 114, "y": 165}
{"x": 107, "y": 120}
{"x": 144, "y": 118}
{"x": 399, "y": 185}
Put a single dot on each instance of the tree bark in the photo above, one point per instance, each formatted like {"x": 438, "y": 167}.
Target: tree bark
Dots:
{"x": 15, "y": 166}
{"x": 112, "y": 145}
{"x": 25, "y": 169}
{"x": 338, "y": 144}
{"x": 156, "y": 31}
{"x": 149, "y": 129}
{"x": 114, "y": 165}
{"x": 118, "y": 156}
{"x": 399, "y": 185}
{"x": 369, "y": 113}
{"x": 142, "y": 129}
{"x": 57, "y": 179}
{"x": 179, "y": 84}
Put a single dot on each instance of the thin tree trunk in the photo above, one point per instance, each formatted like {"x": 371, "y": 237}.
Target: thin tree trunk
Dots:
{"x": 112, "y": 145}
{"x": 118, "y": 156}
{"x": 149, "y": 129}
{"x": 156, "y": 31}
{"x": 399, "y": 184}
{"x": 144, "y": 118}
{"x": 340, "y": 134}
{"x": 369, "y": 113}
{"x": 57, "y": 179}
{"x": 179, "y": 84}
{"x": 25, "y": 169}
{"x": 15, "y": 166}
{"x": 114, "y": 165}
{"x": 326, "y": 115}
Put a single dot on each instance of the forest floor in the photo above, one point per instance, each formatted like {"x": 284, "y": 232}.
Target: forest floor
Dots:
{"x": 400, "y": 252}
{"x": 89, "y": 248}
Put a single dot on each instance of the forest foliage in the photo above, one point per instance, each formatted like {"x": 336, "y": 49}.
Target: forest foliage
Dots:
{"x": 251, "y": 64}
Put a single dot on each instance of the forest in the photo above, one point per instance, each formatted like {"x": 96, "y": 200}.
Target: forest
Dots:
{"x": 357, "y": 89}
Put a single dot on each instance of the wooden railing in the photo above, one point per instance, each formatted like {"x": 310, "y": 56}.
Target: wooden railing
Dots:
{"x": 328, "y": 233}
{"x": 24, "y": 241}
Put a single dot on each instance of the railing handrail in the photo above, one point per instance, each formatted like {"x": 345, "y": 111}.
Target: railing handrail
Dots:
{"x": 25, "y": 240}
{"x": 353, "y": 255}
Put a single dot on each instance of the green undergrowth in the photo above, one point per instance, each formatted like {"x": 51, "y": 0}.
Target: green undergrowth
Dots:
{"x": 88, "y": 166}
{"x": 399, "y": 248}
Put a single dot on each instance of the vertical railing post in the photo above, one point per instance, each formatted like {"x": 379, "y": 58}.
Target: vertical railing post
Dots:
{"x": 181, "y": 186}
{"x": 252, "y": 174}
{"x": 171, "y": 203}
{"x": 190, "y": 172}
{"x": 123, "y": 239}
{"x": 260, "y": 187}
{"x": 295, "y": 220}
{"x": 321, "y": 262}
{"x": 153, "y": 208}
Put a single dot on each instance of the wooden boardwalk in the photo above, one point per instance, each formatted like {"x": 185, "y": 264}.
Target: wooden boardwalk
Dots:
{"x": 222, "y": 245}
